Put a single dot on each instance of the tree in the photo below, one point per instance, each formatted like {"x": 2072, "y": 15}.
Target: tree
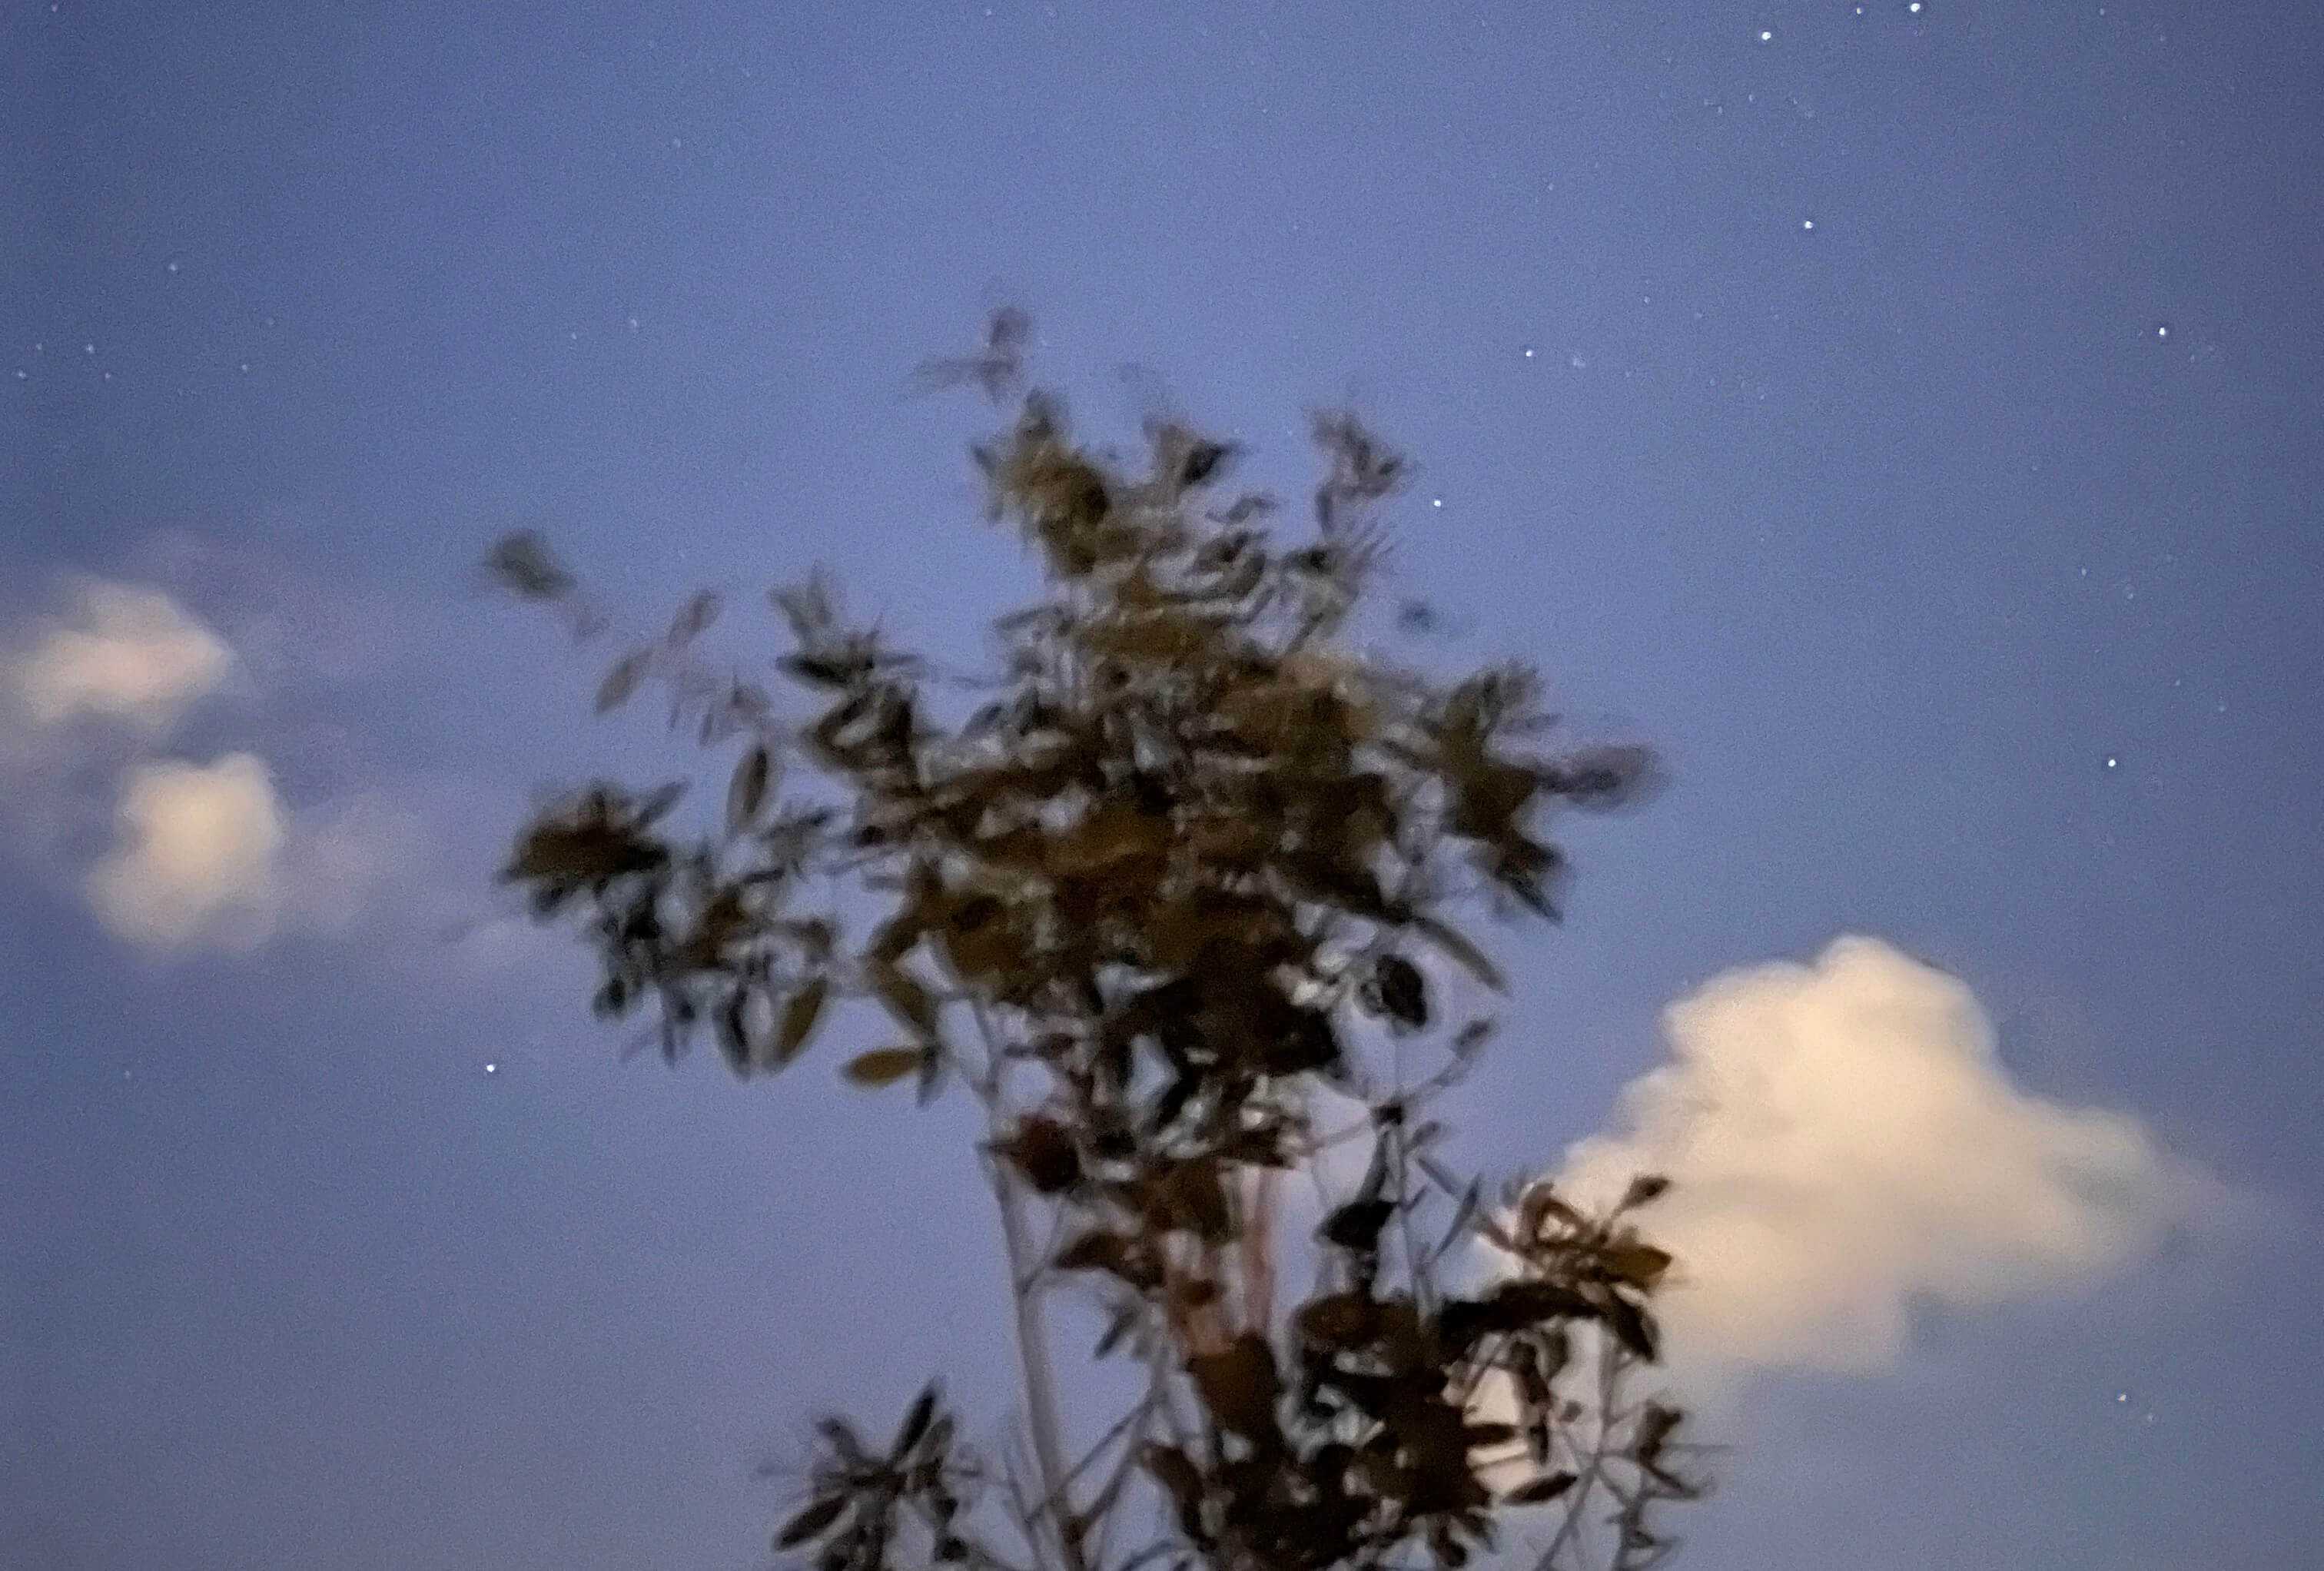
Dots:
{"x": 1150, "y": 904}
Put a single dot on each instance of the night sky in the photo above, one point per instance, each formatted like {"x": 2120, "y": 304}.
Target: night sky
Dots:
{"x": 1906, "y": 416}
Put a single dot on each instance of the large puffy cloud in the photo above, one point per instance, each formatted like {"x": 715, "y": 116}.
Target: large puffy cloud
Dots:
{"x": 124, "y": 653}
{"x": 199, "y": 854}
{"x": 210, "y": 855}
{"x": 1845, "y": 1145}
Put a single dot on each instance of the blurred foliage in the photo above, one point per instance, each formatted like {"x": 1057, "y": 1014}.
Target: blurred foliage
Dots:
{"x": 1189, "y": 853}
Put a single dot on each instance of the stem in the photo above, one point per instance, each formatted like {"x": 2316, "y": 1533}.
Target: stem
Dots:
{"x": 1032, "y": 1335}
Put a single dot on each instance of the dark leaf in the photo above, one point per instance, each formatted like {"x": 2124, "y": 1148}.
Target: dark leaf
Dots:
{"x": 818, "y": 1516}
{"x": 1122, "y": 1322}
{"x": 693, "y": 618}
{"x": 806, "y": 607}
{"x": 907, "y": 998}
{"x": 622, "y": 680}
{"x": 1357, "y": 1224}
{"x": 884, "y": 1066}
{"x": 1605, "y": 778}
{"x": 932, "y": 1066}
{"x": 1402, "y": 994}
{"x": 1463, "y": 1214}
{"x": 1098, "y": 1250}
{"x": 1179, "y": 1477}
{"x": 1640, "y": 1264}
{"x": 1203, "y": 462}
{"x": 1339, "y": 1321}
{"x": 1191, "y": 1196}
{"x": 916, "y": 1423}
{"x": 1645, "y": 1187}
{"x": 659, "y": 801}
{"x": 733, "y": 1031}
{"x": 799, "y": 1016}
{"x": 1540, "y": 1490}
{"x": 1632, "y": 1327}
{"x": 522, "y": 563}
{"x": 1653, "y": 1432}
{"x": 1457, "y": 945}
{"x": 1239, "y": 1385}
{"x": 1042, "y": 1150}
{"x": 746, "y": 793}
{"x": 1521, "y": 1305}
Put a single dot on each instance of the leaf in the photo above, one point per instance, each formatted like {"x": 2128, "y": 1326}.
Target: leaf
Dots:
{"x": 915, "y": 1424}
{"x": 1464, "y": 1214}
{"x": 692, "y": 619}
{"x": 1541, "y": 1490}
{"x": 1631, "y": 1327}
{"x": 523, "y": 565}
{"x": 657, "y": 803}
{"x": 1606, "y": 778}
{"x": 1403, "y": 994}
{"x": 1338, "y": 1321}
{"x": 747, "y": 792}
{"x": 1190, "y": 1196}
{"x": 1240, "y": 1384}
{"x": 1655, "y": 1427}
{"x": 884, "y": 1066}
{"x": 622, "y": 680}
{"x": 1357, "y": 1224}
{"x": 733, "y": 1031}
{"x": 907, "y": 998}
{"x": 933, "y": 1065}
{"x": 1203, "y": 461}
{"x": 1175, "y": 1474}
{"x": 818, "y": 1516}
{"x": 1519, "y": 1306}
{"x": 1645, "y": 1187}
{"x": 1042, "y": 1150}
{"x": 1641, "y": 1265}
{"x": 799, "y": 1015}
{"x": 1100, "y": 1251}
{"x": 806, "y": 607}
{"x": 1457, "y": 945}
{"x": 1123, "y": 1321}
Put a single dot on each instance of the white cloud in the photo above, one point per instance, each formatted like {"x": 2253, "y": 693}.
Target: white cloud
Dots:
{"x": 199, "y": 856}
{"x": 1846, "y": 1146}
{"x": 174, "y": 853}
{"x": 124, "y": 653}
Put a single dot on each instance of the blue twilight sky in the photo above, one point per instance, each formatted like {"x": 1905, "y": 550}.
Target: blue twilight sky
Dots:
{"x": 1904, "y": 415}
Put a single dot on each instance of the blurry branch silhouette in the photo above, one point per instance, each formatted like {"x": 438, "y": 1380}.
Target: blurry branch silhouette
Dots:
{"x": 1186, "y": 878}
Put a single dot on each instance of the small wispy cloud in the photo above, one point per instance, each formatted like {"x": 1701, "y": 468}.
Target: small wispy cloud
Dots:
{"x": 1846, "y": 1147}
{"x": 175, "y": 852}
{"x": 120, "y": 652}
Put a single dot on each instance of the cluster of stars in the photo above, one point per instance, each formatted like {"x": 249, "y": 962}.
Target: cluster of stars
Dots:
{"x": 1767, "y": 35}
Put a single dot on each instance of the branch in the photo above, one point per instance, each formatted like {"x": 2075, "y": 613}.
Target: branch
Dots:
{"x": 1032, "y": 1339}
